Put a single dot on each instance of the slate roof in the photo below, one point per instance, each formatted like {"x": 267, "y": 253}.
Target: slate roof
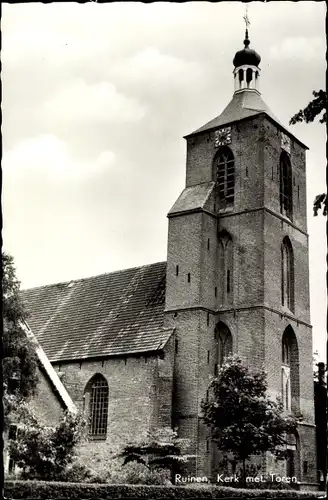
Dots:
{"x": 118, "y": 313}
{"x": 193, "y": 197}
{"x": 242, "y": 105}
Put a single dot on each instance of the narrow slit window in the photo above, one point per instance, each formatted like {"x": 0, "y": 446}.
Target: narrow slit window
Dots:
{"x": 208, "y": 243}
{"x": 228, "y": 281}
{"x": 208, "y": 357}
{"x": 177, "y": 270}
{"x": 215, "y": 291}
{"x": 188, "y": 277}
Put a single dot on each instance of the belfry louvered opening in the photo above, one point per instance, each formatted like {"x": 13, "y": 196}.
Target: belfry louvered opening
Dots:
{"x": 225, "y": 175}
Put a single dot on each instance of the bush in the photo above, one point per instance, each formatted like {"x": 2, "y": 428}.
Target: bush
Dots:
{"x": 43, "y": 490}
{"x": 44, "y": 452}
{"x": 97, "y": 469}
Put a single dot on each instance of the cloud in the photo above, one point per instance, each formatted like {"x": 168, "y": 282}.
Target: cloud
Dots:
{"x": 302, "y": 48}
{"x": 47, "y": 157}
{"x": 99, "y": 102}
{"x": 158, "y": 70}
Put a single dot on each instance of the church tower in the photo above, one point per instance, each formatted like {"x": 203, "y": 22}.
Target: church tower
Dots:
{"x": 237, "y": 268}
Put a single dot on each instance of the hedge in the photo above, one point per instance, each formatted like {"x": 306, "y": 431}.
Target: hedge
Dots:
{"x": 51, "y": 490}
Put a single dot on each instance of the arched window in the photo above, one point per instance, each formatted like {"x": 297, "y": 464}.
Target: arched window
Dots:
{"x": 286, "y": 186}
{"x": 225, "y": 250}
{"x": 290, "y": 371}
{"x": 96, "y": 399}
{"x": 225, "y": 175}
{"x": 223, "y": 345}
{"x": 285, "y": 374}
{"x": 287, "y": 274}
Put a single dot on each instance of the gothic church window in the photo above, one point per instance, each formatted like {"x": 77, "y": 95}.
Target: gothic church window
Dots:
{"x": 286, "y": 186}
{"x": 225, "y": 175}
{"x": 289, "y": 371}
{"x": 225, "y": 250}
{"x": 287, "y": 274}
{"x": 223, "y": 345}
{"x": 96, "y": 395}
{"x": 285, "y": 382}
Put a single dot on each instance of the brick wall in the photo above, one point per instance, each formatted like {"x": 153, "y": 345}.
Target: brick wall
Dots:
{"x": 140, "y": 394}
{"x": 46, "y": 404}
{"x": 254, "y": 315}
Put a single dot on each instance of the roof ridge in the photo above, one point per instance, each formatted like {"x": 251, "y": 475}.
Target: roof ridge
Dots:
{"x": 79, "y": 280}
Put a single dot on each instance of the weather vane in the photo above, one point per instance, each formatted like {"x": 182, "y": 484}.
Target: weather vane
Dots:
{"x": 245, "y": 17}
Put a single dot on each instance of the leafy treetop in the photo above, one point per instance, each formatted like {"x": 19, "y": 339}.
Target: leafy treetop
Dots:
{"x": 20, "y": 376}
{"x": 241, "y": 417}
{"x": 313, "y": 109}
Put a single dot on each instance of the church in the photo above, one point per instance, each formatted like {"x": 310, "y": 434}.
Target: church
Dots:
{"x": 136, "y": 349}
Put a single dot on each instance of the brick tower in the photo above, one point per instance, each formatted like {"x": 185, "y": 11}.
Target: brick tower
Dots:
{"x": 237, "y": 267}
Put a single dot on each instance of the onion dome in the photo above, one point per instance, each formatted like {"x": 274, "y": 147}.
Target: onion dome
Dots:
{"x": 246, "y": 56}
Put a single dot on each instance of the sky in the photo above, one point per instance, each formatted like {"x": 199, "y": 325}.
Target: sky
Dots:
{"x": 96, "y": 101}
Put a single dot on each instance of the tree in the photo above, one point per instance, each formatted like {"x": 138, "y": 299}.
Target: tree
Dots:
{"x": 20, "y": 376}
{"x": 161, "y": 450}
{"x": 313, "y": 109}
{"x": 45, "y": 452}
{"x": 242, "y": 419}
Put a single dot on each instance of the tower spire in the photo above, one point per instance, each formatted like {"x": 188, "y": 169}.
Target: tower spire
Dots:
{"x": 246, "y": 63}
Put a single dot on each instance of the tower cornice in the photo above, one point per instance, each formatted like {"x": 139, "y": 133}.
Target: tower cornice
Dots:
{"x": 217, "y": 123}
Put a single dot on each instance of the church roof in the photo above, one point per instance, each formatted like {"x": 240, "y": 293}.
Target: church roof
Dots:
{"x": 193, "y": 197}
{"x": 244, "y": 104}
{"x": 118, "y": 313}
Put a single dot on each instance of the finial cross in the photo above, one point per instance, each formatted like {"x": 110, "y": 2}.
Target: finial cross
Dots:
{"x": 245, "y": 17}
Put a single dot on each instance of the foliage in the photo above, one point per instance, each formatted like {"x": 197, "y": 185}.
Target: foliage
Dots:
{"x": 136, "y": 473}
{"x": 161, "y": 450}
{"x": 241, "y": 417}
{"x": 109, "y": 469}
{"x": 75, "y": 473}
{"x": 320, "y": 202}
{"x": 46, "y": 452}
{"x": 19, "y": 360}
{"x": 316, "y": 361}
{"x": 43, "y": 490}
{"x": 313, "y": 109}
{"x": 307, "y": 115}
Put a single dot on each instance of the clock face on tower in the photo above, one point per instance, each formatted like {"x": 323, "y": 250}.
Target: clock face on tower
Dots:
{"x": 285, "y": 142}
{"x": 222, "y": 137}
